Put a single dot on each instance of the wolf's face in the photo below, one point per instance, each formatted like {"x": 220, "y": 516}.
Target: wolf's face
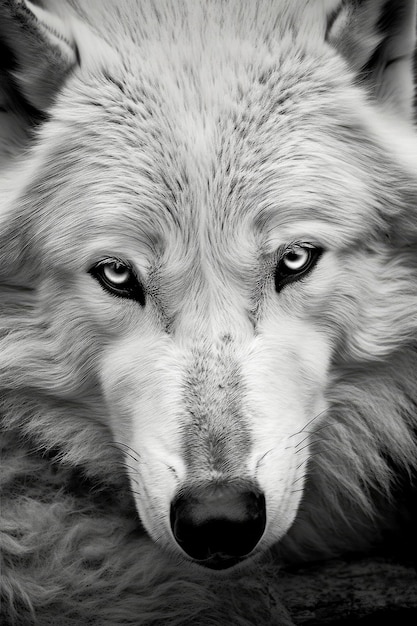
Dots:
{"x": 206, "y": 234}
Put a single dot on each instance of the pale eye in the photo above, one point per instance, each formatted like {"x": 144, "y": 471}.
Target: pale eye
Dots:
{"x": 295, "y": 260}
{"x": 119, "y": 279}
{"x": 295, "y": 264}
{"x": 116, "y": 273}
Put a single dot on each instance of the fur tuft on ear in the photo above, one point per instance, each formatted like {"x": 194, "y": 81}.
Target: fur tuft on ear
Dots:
{"x": 37, "y": 52}
{"x": 378, "y": 39}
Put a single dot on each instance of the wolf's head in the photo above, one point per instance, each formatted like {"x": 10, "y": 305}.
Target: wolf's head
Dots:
{"x": 213, "y": 220}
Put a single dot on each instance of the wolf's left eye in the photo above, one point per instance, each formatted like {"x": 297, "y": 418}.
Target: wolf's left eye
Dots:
{"x": 119, "y": 279}
{"x": 295, "y": 263}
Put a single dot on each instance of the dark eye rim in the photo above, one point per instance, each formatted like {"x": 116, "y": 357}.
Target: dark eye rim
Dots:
{"x": 285, "y": 276}
{"x": 132, "y": 291}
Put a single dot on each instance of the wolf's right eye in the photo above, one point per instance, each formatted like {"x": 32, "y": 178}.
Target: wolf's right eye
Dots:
{"x": 119, "y": 279}
{"x": 296, "y": 262}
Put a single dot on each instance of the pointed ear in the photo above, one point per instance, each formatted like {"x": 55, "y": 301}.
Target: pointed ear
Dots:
{"x": 37, "y": 51}
{"x": 378, "y": 39}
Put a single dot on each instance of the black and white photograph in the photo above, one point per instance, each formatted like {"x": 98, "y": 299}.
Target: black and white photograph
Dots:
{"x": 208, "y": 312}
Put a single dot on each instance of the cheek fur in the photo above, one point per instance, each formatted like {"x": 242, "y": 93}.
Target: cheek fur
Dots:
{"x": 285, "y": 379}
{"x": 141, "y": 381}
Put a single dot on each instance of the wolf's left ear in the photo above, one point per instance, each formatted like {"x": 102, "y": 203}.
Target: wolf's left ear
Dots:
{"x": 37, "y": 51}
{"x": 378, "y": 39}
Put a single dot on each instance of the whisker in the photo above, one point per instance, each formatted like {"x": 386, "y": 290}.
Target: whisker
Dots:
{"x": 133, "y": 455}
{"x": 158, "y": 538}
{"x": 132, "y": 469}
{"x": 123, "y": 463}
{"x": 302, "y": 441}
{"x": 308, "y": 423}
{"x": 137, "y": 493}
{"x": 125, "y": 445}
{"x": 319, "y": 429}
{"x": 297, "y": 450}
{"x": 312, "y": 456}
{"x": 303, "y": 462}
{"x": 122, "y": 443}
{"x": 303, "y": 477}
{"x": 312, "y": 442}
{"x": 262, "y": 458}
{"x": 313, "y": 432}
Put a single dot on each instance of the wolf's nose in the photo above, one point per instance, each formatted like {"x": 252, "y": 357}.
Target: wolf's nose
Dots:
{"x": 218, "y": 526}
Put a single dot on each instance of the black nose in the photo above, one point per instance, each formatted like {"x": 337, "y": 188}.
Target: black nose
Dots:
{"x": 219, "y": 525}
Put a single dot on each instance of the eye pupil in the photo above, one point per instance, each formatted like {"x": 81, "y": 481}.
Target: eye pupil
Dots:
{"x": 116, "y": 273}
{"x": 296, "y": 259}
{"x": 296, "y": 263}
{"x": 119, "y": 279}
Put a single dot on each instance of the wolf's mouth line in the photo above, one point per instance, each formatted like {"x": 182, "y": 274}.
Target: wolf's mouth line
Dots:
{"x": 219, "y": 561}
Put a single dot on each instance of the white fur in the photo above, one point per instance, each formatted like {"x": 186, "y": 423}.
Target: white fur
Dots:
{"x": 198, "y": 141}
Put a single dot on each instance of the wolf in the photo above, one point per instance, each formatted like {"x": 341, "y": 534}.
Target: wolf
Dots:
{"x": 208, "y": 272}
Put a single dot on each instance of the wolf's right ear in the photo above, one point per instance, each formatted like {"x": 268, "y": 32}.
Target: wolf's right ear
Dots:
{"x": 378, "y": 40}
{"x": 37, "y": 51}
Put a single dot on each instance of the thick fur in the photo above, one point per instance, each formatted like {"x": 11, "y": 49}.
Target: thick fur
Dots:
{"x": 200, "y": 140}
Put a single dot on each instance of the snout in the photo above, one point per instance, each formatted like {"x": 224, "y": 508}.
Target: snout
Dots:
{"x": 218, "y": 526}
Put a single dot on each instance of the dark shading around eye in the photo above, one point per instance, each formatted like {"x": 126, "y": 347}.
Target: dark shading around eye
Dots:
{"x": 130, "y": 288}
{"x": 285, "y": 274}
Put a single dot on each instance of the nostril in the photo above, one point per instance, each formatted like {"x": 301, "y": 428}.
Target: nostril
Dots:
{"x": 218, "y": 526}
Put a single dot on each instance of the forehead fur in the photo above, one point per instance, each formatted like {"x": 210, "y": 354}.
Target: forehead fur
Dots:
{"x": 142, "y": 21}
{"x": 206, "y": 116}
